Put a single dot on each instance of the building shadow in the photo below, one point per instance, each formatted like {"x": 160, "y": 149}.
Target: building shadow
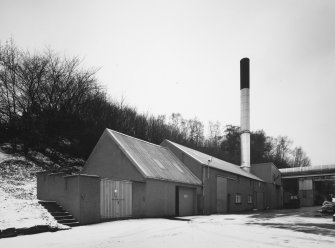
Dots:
{"x": 314, "y": 228}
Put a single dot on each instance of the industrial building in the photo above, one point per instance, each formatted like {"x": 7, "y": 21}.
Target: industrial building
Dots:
{"x": 161, "y": 185}
{"x": 126, "y": 177}
{"x": 226, "y": 187}
{"x": 312, "y": 184}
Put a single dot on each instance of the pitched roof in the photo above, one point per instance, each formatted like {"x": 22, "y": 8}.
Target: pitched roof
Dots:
{"x": 154, "y": 161}
{"x": 214, "y": 162}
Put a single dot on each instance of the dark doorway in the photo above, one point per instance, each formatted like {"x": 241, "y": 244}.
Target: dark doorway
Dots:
{"x": 323, "y": 188}
{"x": 185, "y": 201}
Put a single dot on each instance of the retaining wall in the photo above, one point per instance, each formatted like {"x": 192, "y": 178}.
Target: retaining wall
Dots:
{"x": 78, "y": 194}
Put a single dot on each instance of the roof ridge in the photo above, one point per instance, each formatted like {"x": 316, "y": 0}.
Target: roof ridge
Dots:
{"x": 236, "y": 166}
{"x": 202, "y": 153}
{"x": 128, "y": 136}
{"x": 185, "y": 152}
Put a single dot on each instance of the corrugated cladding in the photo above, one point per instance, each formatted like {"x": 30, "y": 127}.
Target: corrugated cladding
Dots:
{"x": 215, "y": 162}
{"x": 317, "y": 169}
{"x": 154, "y": 161}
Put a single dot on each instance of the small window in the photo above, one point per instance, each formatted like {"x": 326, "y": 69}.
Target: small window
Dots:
{"x": 159, "y": 164}
{"x": 238, "y": 198}
{"x": 259, "y": 184}
{"x": 249, "y": 199}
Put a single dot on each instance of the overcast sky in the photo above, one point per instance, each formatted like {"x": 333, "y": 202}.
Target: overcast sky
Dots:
{"x": 182, "y": 56}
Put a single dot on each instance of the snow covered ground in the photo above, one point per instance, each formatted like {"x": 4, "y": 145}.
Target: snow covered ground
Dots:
{"x": 283, "y": 228}
{"x": 19, "y": 207}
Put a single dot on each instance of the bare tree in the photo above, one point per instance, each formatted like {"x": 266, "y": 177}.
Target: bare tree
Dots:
{"x": 300, "y": 158}
{"x": 195, "y": 132}
{"x": 214, "y": 134}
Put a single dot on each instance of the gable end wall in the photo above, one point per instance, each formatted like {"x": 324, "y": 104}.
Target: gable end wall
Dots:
{"x": 108, "y": 161}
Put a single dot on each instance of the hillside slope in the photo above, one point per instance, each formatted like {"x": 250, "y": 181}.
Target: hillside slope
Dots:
{"x": 19, "y": 206}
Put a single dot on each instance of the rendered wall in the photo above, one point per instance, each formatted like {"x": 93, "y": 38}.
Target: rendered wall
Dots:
{"x": 70, "y": 198}
{"x": 273, "y": 196}
{"x": 138, "y": 200}
{"x": 108, "y": 161}
{"x": 78, "y": 194}
{"x": 89, "y": 199}
{"x": 42, "y": 185}
{"x": 268, "y": 172}
{"x": 50, "y": 186}
{"x": 273, "y": 187}
{"x": 263, "y": 171}
{"x": 160, "y": 198}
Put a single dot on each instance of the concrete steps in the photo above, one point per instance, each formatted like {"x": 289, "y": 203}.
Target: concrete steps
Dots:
{"x": 59, "y": 213}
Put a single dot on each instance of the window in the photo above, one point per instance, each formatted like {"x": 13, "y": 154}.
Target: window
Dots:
{"x": 249, "y": 198}
{"x": 238, "y": 198}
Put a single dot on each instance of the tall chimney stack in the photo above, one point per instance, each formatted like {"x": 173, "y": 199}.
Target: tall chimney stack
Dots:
{"x": 245, "y": 114}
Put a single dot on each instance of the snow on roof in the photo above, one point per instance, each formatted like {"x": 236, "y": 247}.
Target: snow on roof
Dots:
{"x": 154, "y": 161}
{"x": 214, "y": 162}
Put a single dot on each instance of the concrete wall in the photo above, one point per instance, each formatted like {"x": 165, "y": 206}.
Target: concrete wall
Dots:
{"x": 78, "y": 194}
{"x": 70, "y": 199}
{"x": 50, "y": 186}
{"x": 138, "y": 200}
{"x": 273, "y": 188}
{"x": 306, "y": 192}
{"x": 273, "y": 196}
{"x": 160, "y": 198}
{"x": 157, "y": 198}
{"x": 263, "y": 171}
{"x": 108, "y": 161}
{"x": 89, "y": 199}
{"x": 42, "y": 185}
{"x": 268, "y": 172}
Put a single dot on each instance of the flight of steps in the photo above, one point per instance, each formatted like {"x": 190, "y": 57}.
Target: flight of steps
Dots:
{"x": 59, "y": 213}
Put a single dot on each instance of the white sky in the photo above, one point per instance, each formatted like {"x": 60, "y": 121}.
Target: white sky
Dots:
{"x": 183, "y": 56}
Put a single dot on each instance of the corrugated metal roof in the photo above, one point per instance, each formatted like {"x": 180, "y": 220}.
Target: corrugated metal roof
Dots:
{"x": 215, "y": 162}
{"x": 310, "y": 170}
{"x": 154, "y": 161}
